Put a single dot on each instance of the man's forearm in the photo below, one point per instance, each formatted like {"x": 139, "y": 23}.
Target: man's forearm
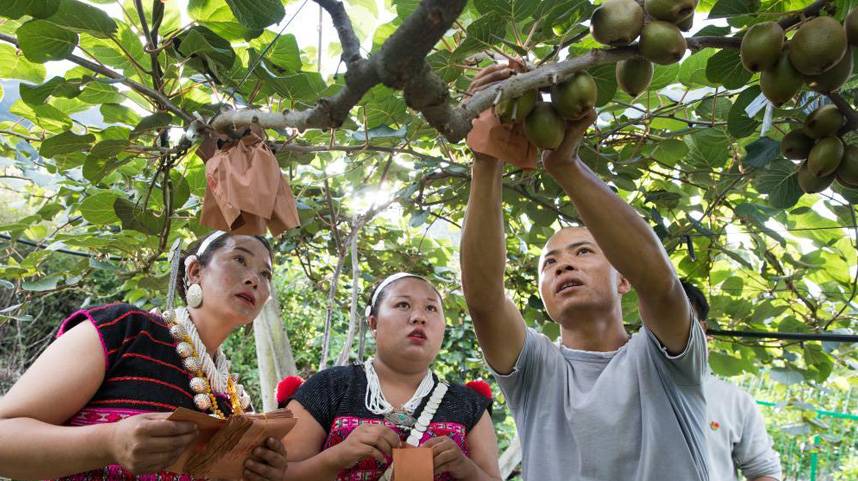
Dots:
{"x": 626, "y": 239}
{"x": 483, "y": 245}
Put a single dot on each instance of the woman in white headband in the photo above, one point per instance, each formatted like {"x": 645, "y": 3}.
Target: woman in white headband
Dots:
{"x": 94, "y": 404}
{"x": 351, "y": 417}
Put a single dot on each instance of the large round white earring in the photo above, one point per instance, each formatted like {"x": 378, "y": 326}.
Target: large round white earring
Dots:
{"x": 194, "y": 295}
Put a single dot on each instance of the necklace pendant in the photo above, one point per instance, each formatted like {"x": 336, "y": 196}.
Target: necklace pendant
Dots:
{"x": 400, "y": 418}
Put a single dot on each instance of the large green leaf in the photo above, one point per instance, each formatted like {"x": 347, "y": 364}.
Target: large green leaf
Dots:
{"x": 136, "y": 218}
{"x": 98, "y": 208}
{"x": 42, "y": 41}
{"x": 606, "y": 82}
{"x": 515, "y": 10}
{"x": 79, "y": 17}
{"x": 738, "y": 123}
{"x": 257, "y": 14}
{"x": 14, "y": 9}
{"x": 66, "y": 143}
{"x": 780, "y": 182}
{"x": 725, "y": 68}
{"x": 56, "y": 86}
{"x": 217, "y": 16}
{"x": 201, "y": 42}
{"x": 732, "y": 8}
{"x": 15, "y": 66}
{"x": 761, "y": 151}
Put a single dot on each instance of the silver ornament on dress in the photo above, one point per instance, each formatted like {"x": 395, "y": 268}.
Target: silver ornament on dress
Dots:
{"x": 169, "y": 315}
{"x": 202, "y": 401}
{"x": 178, "y": 331}
{"x": 192, "y": 364}
{"x": 184, "y": 349}
{"x": 199, "y": 385}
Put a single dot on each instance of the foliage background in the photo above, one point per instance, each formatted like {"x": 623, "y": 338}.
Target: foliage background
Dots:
{"x": 89, "y": 165}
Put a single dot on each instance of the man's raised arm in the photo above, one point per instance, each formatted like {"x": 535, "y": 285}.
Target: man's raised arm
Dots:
{"x": 626, "y": 239}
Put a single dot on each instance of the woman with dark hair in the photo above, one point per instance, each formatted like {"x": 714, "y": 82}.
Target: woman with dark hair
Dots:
{"x": 351, "y": 417}
{"x": 95, "y": 404}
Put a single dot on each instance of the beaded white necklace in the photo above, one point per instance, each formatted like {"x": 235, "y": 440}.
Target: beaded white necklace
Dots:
{"x": 217, "y": 372}
{"x": 375, "y": 401}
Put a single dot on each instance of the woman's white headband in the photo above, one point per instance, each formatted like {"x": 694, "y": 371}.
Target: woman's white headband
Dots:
{"x": 204, "y": 246}
{"x": 386, "y": 282}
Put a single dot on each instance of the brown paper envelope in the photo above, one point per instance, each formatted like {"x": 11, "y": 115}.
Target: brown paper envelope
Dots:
{"x": 413, "y": 464}
{"x": 229, "y": 464}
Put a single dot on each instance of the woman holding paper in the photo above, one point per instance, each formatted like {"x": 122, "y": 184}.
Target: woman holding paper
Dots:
{"x": 351, "y": 418}
{"x": 95, "y": 404}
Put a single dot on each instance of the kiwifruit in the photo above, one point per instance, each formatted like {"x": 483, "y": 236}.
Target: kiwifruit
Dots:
{"x": 834, "y": 78}
{"x": 850, "y": 24}
{"x": 686, "y": 24}
{"x": 617, "y": 22}
{"x": 796, "y": 145}
{"x": 811, "y": 184}
{"x": 544, "y": 127}
{"x": 671, "y": 11}
{"x": 781, "y": 82}
{"x": 513, "y": 110}
{"x": 817, "y": 46}
{"x": 662, "y": 43}
{"x": 847, "y": 173}
{"x": 574, "y": 97}
{"x": 761, "y": 46}
{"x": 823, "y": 122}
{"x": 825, "y": 156}
{"x": 634, "y": 75}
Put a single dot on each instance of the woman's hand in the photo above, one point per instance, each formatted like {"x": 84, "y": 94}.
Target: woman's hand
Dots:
{"x": 148, "y": 443}
{"x": 267, "y": 462}
{"x": 376, "y": 440}
{"x": 449, "y": 458}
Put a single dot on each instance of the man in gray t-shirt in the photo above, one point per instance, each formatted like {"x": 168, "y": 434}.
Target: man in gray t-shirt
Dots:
{"x": 598, "y": 405}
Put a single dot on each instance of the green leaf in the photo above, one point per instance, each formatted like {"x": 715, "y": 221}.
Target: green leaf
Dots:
{"x": 99, "y": 92}
{"x": 135, "y": 218}
{"x": 786, "y": 376}
{"x": 760, "y": 152}
{"x": 516, "y": 10}
{"x": 738, "y": 123}
{"x": 725, "y": 68}
{"x": 98, "y": 208}
{"x": 606, "y": 82}
{"x": 382, "y": 132}
{"x": 65, "y": 143}
{"x": 284, "y": 53}
{"x": 119, "y": 114}
{"x": 102, "y": 159}
{"x": 15, "y": 9}
{"x": 152, "y": 122}
{"x": 732, "y": 8}
{"x": 257, "y": 14}
{"x": 181, "y": 190}
{"x": 46, "y": 283}
{"x": 725, "y": 365}
{"x": 42, "y": 41}
{"x": 15, "y": 65}
{"x": 79, "y": 17}
{"x": 57, "y": 86}
{"x": 200, "y": 41}
{"x": 217, "y": 16}
{"x": 663, "y": 75}
{"x": 692, "y": 72}
{"x": 780, "y": 182}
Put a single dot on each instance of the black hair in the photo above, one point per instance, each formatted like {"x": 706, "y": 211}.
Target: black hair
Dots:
{"x": 206, "y": 256}
{"x": 697, "y": 299}
{"x": 373, "y": 310}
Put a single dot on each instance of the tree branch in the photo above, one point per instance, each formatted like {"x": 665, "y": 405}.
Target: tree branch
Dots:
{"x": 141, "y": 89}
{"x": 343, "y": 24}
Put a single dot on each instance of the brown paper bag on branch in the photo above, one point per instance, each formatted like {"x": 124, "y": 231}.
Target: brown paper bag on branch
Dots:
{"x": 504, "y": 142}
{"x": 246, "y": 193}
{"x": 222, "y": 446}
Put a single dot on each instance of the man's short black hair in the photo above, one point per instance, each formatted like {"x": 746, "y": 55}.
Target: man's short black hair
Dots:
{"x": 697, "y": 299}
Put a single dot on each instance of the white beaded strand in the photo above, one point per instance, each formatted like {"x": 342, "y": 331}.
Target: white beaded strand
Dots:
{"x": 216, "y": 373}
{"x": 374, "y": 399}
